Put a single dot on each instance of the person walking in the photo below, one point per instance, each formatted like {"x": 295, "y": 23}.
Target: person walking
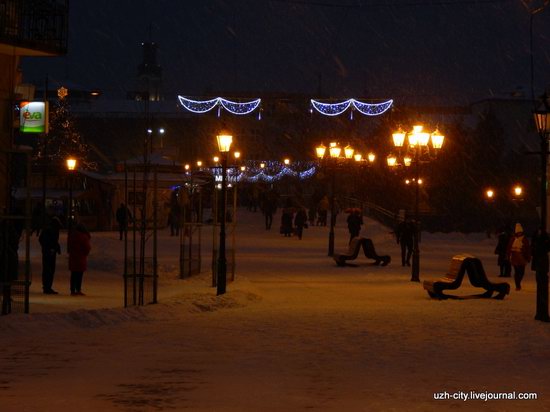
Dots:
{"x": 501, "y": 250}
{"x": 78, "y": 247}
{"x": 269, "y": 207}
{"x": 405, "y": 233}
{"x": 322, "y": 209}
{"x": 300, "y": 221}
{"x": 49, "y": 242}
{"x": 519, "y": 254}
{"x": 123, "y": 216}
{"x": 312, "y": 215}
{"x": 354, "y": 220}
{"x": 287, "y": 218}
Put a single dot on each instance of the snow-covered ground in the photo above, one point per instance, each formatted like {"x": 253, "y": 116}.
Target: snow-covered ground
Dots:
{"x": 294, "y": 332}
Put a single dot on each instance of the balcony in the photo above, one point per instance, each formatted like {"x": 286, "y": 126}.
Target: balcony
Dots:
{"x": 34, "y": 28}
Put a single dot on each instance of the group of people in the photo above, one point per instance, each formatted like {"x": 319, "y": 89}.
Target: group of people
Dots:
{"x": 78, "y": 248}
{"x": 514, "y": 250}
{"x": 293, "y": 221}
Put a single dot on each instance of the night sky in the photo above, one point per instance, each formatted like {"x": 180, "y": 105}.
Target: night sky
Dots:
{"x": 418, "y": 51}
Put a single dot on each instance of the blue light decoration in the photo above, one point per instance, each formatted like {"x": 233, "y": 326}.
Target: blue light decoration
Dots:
{"x": 335, "y": 109}
{"x": 273, "y": 172}
{"x": 203, "y": 106}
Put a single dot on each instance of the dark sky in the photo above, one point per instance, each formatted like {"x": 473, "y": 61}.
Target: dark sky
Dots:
{"x": 420, "y": 50}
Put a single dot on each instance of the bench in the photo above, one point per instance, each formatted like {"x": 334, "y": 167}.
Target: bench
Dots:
{"x": 353, "y": 251}
{"x": 472, "y": 266}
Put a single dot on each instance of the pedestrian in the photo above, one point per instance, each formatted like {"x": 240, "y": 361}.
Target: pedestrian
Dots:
{"x": 269, "y": 207}
{"x": 123, "y": 216}
{"x": 49, "y": 242}
{"x": 322, "y": 209}
{"x": 175, "y": 219}
{"x": 300, "y": 222}
{"x": 286, "y": 219}
{"x": 501, "y": 251}
{"x": 405, "y": 233}
{"x": 354, "y": 220}
{"x": 312, "y": 215}
{"x": 78, "y": 247}
{"x": 519, "y": 254}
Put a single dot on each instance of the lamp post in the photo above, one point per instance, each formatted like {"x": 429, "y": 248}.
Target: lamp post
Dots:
{"x": 542, "y": 120}
{"x": 71, "y": 166}
{"x": 333, "y": 158}
{"x": 224, "y": 144}
{"x": 418, "y": 144}
{"x": 160, "y": 132}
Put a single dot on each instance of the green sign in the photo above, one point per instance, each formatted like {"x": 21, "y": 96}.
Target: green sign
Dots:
{"x": 33, "y": 117}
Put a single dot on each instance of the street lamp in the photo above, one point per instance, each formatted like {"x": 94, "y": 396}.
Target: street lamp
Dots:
{"x": 333, "y": 158}
{"x": 160, "y": 131}
{"x": 417, "y": 144}
{"x": 71, "y": 166}
{"x": 224, "y": 145}
{"x": 542, "y": 121}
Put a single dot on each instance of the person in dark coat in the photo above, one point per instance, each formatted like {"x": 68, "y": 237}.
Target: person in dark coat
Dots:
{"x": 300, "y": 221}
{"x": 49, "y": 242}
{"x": 405, "y": 234}
{"x": 501, "y": 251}
{"x": 519, "y": 254}
{"x": 123, "y": 216}
{"x": 286, "y": 221}
{"x": 312, "y": 215}
{"x": 269, "y": 207}
{"x": 355, "y": 220}
{"x": 78, "y": 246}
{"x": 175, "y": 219}
{"x": 322, "y": 211}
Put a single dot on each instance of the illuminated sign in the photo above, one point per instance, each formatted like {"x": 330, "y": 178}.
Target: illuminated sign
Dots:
{"x": 33, "y": 117}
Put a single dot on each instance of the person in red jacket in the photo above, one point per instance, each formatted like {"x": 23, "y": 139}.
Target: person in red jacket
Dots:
{"x": 78, "y": 246}
{"x": 519, "y": 254}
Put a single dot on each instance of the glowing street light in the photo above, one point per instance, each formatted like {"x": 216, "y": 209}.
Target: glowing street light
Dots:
{"x": 418, "y": 142}
{"x": 224, "y": 145}
{"x": 71, "y": 166}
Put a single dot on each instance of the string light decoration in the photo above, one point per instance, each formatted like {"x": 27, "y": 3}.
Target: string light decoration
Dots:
{"x": 203, "y": 106}
{"x": 271, "y": 172}
{"x": 336, "y": 109}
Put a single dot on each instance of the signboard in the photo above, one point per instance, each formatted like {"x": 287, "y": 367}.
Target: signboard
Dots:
{"x": 33, "y": 117}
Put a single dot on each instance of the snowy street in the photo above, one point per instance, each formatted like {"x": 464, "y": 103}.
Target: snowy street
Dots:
{"x": 294, "y": 332}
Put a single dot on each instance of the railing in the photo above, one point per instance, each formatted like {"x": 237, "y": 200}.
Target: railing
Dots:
{"x": 38, "y": 25}
{"x": 384, "y": 216}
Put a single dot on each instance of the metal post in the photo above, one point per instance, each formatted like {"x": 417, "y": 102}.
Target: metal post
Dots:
{"x": 155, "y": 240}
{"x": 415, "y": 269}
{"x": 70, "y": 208}
{"x": 222, "y": 263}
{"x": 542, "y": 266}
{"x": 332, "y": 215}
{"x": 126, "y": 236}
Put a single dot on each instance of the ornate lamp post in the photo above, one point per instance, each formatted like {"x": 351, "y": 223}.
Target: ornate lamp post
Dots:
{"x": 542, "y": 120}
{"x": 224, "y": 145}
{"x": 333, "y": 159}
{"x": 418, "y": 150}
{"x": 71, "y": 166}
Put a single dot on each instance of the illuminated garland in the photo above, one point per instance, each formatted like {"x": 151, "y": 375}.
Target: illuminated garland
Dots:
{"x": 203, "y": 106}
{"x": 256, "y": 174}
{"x": 335, "y": 109}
